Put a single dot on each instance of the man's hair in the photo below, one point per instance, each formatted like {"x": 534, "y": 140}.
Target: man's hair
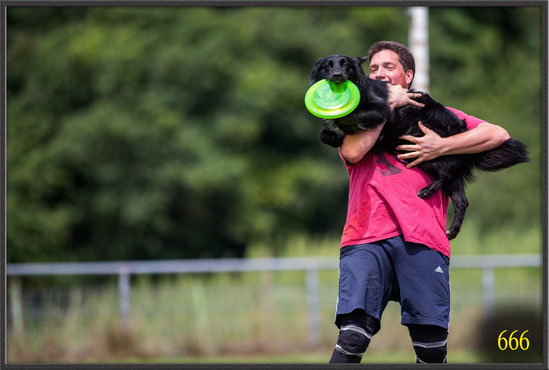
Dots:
{"x": 405, "y": 56}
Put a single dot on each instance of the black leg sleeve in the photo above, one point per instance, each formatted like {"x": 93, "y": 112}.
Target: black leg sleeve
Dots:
{"x": 429, "y": 343}
{"x": 355, "y": 334}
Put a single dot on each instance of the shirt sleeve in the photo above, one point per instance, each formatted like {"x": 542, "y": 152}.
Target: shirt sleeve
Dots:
{"x": 470, "y": 121}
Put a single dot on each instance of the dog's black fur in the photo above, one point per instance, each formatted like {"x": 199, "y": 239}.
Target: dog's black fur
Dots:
{"x": 450, "y": 172}
{"x": 370, "y": 112}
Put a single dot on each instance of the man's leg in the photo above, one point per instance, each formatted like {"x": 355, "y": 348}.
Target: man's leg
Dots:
{"x": 365, "y": 283}
{"x": 355, "y": 334}
{"x": 429, "y": 343}
{"x": 424, "y": 281}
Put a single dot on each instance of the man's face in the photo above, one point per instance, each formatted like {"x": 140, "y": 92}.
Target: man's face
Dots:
{"x": 385, "y": 66}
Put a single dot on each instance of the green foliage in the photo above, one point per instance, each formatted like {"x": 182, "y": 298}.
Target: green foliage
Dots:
{"x": 487, "y": 62}
{"x": 144, "y": 133}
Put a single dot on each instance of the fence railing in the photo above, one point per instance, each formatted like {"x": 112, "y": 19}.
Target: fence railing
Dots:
{"x": 311, "y": 266}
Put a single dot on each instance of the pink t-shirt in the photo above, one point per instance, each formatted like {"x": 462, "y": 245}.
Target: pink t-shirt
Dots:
{"x": 383, "y": 201}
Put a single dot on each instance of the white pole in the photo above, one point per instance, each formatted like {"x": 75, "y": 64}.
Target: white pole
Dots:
{"x": 488, "y": 291}
{"x": 418, "y": 42}
{"x": 124, "y": 295}
{"x": 313, "y": 306}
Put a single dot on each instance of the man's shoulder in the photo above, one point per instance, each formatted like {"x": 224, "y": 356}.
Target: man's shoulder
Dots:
{"x": 470, "y": 121}
{"x": 457, "y": 112}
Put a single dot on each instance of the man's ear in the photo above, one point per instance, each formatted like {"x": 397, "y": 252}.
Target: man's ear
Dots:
{"x": 409, "y": 76}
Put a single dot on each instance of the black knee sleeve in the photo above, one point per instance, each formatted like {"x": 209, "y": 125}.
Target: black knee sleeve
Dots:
{"x": 430, "y": 354}
{"x": 429, "y": 343}
{"x": 351, "y": 343}
{"x": 356, "y": 331}
{"x": 367, "y": 322}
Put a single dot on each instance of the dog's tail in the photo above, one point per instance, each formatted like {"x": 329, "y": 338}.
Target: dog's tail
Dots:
{"x": 506, "y": 155}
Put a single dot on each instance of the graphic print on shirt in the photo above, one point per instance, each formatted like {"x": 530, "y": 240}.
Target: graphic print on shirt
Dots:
{"x": 384, "y": 166}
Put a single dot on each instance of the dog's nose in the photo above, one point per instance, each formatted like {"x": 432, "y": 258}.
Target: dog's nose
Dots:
{"x": 337, "y": 77}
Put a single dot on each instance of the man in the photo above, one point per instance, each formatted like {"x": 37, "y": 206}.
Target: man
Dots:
{"x": 394, "y": 244}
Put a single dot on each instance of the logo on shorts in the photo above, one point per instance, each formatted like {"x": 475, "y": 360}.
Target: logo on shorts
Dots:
{"x": 439, "y": 270}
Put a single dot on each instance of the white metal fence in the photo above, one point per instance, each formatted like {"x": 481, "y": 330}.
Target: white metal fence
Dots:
{"x": 311, "y": 265}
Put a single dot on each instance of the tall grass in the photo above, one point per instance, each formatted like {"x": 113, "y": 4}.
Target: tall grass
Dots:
{"x": 204, "y": 317}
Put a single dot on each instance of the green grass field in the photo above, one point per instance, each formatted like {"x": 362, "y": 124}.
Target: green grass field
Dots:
{"x": 310, "y": 357}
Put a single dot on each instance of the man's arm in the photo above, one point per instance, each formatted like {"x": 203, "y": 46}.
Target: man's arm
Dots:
{"x": 355, "y": 146}
{"x": 484, "y": 137}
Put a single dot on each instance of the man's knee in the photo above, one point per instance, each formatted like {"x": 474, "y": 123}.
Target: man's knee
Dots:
{"x": 353, "y": 340}
{"x": 351, "y": 343}
{"x": 355, "y": 332}
{"x": 429, "y": 343}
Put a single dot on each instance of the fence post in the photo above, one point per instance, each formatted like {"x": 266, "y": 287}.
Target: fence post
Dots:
{"x": 202, "y": 316}
{"x": 124, "y": 294}
{"x": 313, "y": 306}
{"x": 488, "y": 290}
{"x": 16, "y": 305}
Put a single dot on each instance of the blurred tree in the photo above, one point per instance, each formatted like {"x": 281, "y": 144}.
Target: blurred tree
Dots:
{"x": 487, "y": 62}
{"x": 146, "y": 133}
{"x": 162, "y": 133}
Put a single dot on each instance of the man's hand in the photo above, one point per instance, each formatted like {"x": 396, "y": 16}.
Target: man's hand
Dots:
{"x": 399, "y": 97}
{"x": 425, "y": 148}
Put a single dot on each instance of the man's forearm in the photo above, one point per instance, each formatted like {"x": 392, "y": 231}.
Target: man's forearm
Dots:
{"x": 484, "y": 137}
{"x": 355, "y": 146}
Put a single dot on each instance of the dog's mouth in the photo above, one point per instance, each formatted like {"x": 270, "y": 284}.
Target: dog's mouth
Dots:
{"x": 338, "y": 87}
{"x": 338, "y": 78}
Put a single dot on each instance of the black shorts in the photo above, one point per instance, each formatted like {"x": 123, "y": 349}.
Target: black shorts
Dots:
{"x": 370, "y": 275}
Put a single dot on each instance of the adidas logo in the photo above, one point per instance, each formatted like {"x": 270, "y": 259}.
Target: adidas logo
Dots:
{"x": 439, "y": 270}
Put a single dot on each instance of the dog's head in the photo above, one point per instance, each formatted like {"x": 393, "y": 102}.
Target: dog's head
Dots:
{"x": 338, "y": 68}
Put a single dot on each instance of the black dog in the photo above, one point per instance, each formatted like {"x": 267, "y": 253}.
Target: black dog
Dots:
{"x": 370, "y": 112}
{"x": 451, "y": 172}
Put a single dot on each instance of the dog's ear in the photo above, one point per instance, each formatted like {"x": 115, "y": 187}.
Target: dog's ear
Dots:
{"x": 361, "y": 60}
{"x": 358, "y": 61}
{"x": 314, "y": 73}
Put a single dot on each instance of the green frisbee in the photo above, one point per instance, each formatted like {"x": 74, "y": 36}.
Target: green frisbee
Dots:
{"x": 332, "y": 100}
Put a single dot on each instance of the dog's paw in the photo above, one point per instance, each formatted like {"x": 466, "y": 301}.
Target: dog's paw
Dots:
{"x": 451, "y": 234}
{"x": 425, "y": 193}
{"x": 348, "y": 130}
{"x": 332, "y": 140}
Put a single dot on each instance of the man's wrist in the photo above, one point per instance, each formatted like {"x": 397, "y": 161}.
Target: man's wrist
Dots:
{"x": 445, "y": 145}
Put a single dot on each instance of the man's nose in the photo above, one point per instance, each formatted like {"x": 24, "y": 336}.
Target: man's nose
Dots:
{"x": 380, "y": 73}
